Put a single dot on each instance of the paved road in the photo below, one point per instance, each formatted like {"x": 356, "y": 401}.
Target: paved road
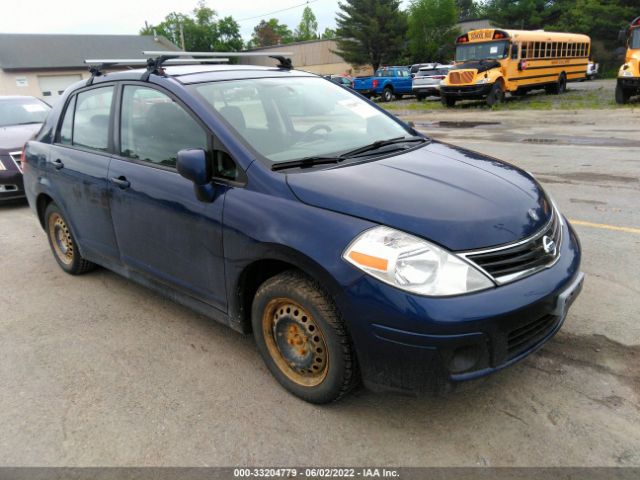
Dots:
{"x": 96, "y": 370}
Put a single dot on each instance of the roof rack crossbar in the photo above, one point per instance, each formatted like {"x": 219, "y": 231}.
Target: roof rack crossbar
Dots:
{"x": 285, "y": 62}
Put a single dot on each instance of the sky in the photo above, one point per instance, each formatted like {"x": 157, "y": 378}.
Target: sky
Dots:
{"x": 128, "y": 16}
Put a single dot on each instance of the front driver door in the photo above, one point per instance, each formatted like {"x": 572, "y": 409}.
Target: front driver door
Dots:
{"x": 163, "y": 231}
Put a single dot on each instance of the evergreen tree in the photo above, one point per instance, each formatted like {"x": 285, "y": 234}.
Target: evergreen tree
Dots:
{"x": 370, "y": 32}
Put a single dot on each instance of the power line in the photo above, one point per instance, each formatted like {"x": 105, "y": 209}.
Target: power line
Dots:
{"x": 277, "y": 11}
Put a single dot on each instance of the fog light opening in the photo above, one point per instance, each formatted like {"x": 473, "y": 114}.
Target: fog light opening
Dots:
{"x": 464, "y": 358}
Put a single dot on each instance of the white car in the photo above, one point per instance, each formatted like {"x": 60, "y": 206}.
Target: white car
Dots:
{"x": 427, "y": 80}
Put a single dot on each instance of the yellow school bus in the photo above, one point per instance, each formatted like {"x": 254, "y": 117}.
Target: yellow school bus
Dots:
{"x": 492, "y": 62}
{"x": 629, "y": 73}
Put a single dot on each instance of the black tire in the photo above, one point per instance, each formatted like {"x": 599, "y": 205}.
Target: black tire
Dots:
{"x": 292, "y": 300}
{"x": 559, "y": 87}
{"x": 448, "y": 102}
{"x": 63, "y": 244}
{"x": 622, "y": 95}
{"x": 387, "y": 94}
{"x": 496, "y": 95}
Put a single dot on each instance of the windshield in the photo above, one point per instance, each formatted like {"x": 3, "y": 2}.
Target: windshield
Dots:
{"x": 287, "y": 119}
{"x": 635, "y": 39}
{"x": 22, "y": 111}
{"x": 479, "y": 51}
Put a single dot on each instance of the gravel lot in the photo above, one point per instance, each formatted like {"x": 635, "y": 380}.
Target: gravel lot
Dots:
{"x": 96, "y": 370}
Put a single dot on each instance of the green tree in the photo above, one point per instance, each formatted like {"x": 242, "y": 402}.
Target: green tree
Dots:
{"x": 229, "y": 38}
{"x": 201, "y": 30}
{"x": 468, "y": 9}
{"x": 328, "y": 34}
{"x": 432, "y": 29}
{"x": 308, "y": 28}
{"x": 370, "y": 32}
{"x": 523, "y": 14}
{"x": 270, "y": 32}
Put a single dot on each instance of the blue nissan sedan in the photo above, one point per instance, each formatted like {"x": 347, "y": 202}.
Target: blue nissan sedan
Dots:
{"x": 354, "y": 248}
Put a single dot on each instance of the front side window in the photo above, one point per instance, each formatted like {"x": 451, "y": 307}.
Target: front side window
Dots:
{"x": 286, "y": 119}
{"x": 91, "y": 119}
{"x": 154, "y": 128}
{"x": 482, "y": 51}
{"x": 635, "y": 39}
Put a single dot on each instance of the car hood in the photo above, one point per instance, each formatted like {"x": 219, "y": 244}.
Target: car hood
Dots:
{"x": 14, "y": 137}
{"x": 459, "y": 199}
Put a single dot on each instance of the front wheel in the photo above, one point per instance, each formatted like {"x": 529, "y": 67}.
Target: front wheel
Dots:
{"x": 302, "y": 339}
{"x": 387, "y": 95}
{"x": 448, "y": 102}
{"x": 496, "y": 95}
{"x": 63, "y": 244}
{"x": 622, "y": 95}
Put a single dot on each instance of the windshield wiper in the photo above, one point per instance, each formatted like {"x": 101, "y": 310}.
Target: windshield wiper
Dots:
{"x": 320, "y": 160}
{"x": 306, "y": 162}
{"x": 381, "y": 143}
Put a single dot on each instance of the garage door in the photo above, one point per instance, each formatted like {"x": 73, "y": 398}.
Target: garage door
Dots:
{"x": 55, "y": 85}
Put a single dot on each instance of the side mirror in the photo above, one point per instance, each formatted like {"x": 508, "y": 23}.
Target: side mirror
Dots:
{"x": 622, "y": 36}
{"x": 192, "y": 165}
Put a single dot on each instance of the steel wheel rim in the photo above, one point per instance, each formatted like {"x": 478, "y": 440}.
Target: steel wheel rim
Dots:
{"x": 295, "y": 342}
{"x": 61, "y": 239}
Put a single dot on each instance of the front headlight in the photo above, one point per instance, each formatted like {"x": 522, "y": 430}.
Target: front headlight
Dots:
{"x": 482, "y": 81}
{"x": 2, "y": 167}
{"x": 413, "y": 264}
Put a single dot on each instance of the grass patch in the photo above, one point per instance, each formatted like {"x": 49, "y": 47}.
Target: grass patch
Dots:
{"x": 596, "y": 99}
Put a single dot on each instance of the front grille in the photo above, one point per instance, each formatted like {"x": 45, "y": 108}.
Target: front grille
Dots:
{"x": 515, "y": 261}
{"x": 16, "y": 156}
{"x": 458, "y": 78}
{"x": 528, "y": 335}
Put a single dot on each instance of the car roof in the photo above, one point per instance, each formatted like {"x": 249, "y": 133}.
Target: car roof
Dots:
{"x": 199, "y": 73}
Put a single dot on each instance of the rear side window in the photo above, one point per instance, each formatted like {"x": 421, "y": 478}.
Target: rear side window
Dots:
{"x": 154, "y": 128}
{"x": 91, "y": 119}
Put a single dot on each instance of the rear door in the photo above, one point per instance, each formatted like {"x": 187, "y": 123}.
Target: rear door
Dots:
{"x": 163, "y": 231}
{"x": 403, "y": 81}
{"x": 77, "y": 169}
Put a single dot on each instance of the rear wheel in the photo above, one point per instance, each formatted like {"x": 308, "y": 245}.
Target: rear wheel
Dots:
{"x": 559, "y": 87}
{"x": 622, "y": 95}
{"x": 302, "y": 339}
{"x": 62, "y": 243}
{"x": 448, "y": 102}
{"x": 387, "y": 94}
{"x": 496, "y": 95}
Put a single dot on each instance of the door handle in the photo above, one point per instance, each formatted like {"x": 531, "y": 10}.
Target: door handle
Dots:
{"x": 57, "y": 164}
{"x": 121, "y": 182}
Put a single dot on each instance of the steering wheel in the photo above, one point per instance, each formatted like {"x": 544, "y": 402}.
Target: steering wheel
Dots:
{"x": 307, "y": 135}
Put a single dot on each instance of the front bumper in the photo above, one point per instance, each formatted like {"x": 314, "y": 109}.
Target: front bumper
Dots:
{"x": 629, "y": 82}
{"x": 471, "y": 92}
{"x": 11, "y": 183}
{"x": 410, "y": 343}
{"x": 425, "y": 88}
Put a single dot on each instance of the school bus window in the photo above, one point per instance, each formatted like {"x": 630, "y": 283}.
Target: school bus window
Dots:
{"x": 514, "y": 51}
